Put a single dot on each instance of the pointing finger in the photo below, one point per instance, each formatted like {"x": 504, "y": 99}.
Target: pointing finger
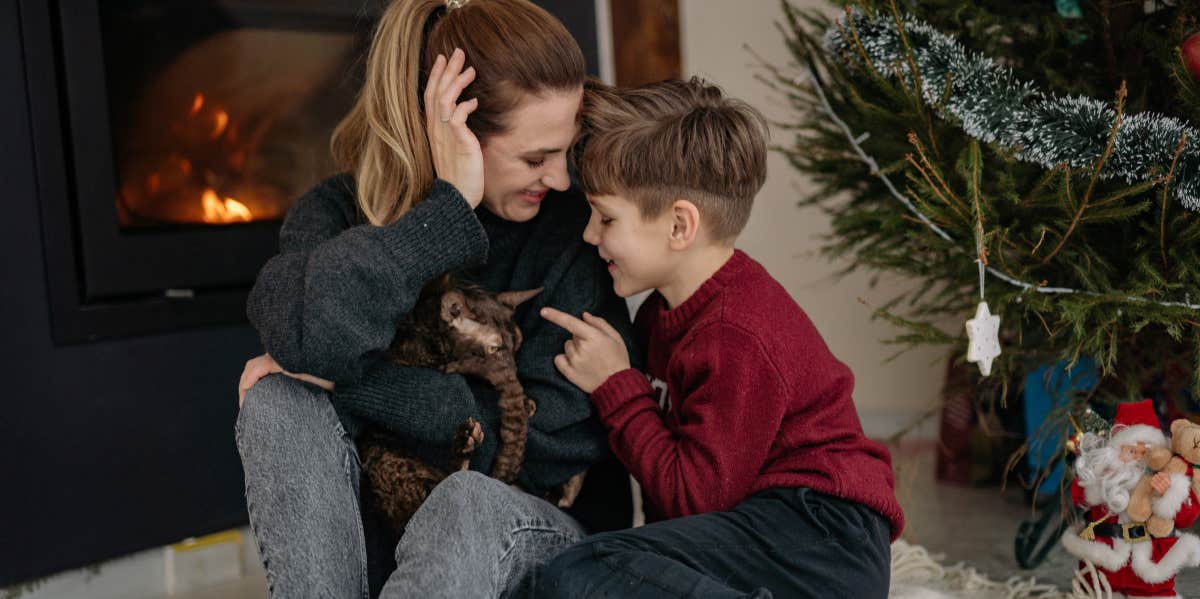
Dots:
{"x": 603, "y": 325}
{"x": 573, "y": 325}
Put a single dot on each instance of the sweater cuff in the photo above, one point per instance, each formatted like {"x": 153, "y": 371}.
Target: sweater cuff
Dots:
{"x": 618, "y": 390}
{"x": 448, "y": 235}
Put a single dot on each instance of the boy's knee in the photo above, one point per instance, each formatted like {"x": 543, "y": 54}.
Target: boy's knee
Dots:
{"x": 568, "y": 574}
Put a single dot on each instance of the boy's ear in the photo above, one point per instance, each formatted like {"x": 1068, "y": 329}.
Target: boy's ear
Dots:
{"x": 685, "y": 224}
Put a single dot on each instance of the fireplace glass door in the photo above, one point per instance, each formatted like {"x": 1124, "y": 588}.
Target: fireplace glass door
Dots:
{"x": 196, "y": 125}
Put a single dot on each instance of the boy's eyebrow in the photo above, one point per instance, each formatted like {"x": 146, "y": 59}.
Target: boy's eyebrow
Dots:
{"x": 542, "y": 151}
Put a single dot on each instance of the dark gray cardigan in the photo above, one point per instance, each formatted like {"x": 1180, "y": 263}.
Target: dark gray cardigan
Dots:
{"x": 329, "y": 302}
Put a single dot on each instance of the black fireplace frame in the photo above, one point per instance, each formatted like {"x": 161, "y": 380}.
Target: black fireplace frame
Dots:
{"x": 104, "y": 282}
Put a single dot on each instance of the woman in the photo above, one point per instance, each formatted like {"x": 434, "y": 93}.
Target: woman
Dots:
{"x": 434, "y": 185}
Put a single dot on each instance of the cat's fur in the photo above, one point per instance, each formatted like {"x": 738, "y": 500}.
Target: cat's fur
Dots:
{"x": 462, "y": 329}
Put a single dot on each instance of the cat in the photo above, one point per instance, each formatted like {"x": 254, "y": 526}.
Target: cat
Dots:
{"x": 457, "y": 328}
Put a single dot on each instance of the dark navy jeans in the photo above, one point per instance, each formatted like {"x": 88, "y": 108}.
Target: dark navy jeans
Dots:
{"x": 791, "y": 543}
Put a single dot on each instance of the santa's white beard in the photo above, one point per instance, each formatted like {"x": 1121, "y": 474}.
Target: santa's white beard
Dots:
{"x": 1106, "y": 479}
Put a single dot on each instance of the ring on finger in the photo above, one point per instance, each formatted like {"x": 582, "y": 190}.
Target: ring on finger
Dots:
{"x": 444, "y": 120}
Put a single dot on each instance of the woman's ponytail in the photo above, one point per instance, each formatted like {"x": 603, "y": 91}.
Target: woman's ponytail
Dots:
{"x": 382, "y": 141}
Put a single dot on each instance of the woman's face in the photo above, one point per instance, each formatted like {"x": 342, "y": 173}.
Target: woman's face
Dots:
{"x": 521, "y": 165}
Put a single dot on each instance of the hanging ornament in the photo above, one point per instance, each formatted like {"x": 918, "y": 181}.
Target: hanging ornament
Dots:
{"x": 1190, "y": 49}
{"x": 984, "y": 334}
{"x": 1089, "y": 423}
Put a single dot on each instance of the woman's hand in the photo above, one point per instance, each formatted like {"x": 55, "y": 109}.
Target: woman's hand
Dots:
{"x": 457, "y": 156}
{"x": 256, "y": 368}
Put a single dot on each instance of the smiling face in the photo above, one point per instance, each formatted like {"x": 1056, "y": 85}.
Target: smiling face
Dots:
{"x": 637, "y": 249}
{"x": 521, "y": 165}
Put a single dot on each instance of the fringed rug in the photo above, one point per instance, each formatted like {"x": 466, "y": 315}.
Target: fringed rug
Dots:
{"x": 918, "y": 575}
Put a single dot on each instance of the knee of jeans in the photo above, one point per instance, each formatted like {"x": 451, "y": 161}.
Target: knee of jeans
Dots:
{"x": 276, "y": 408}
{"x": 466, "y": 488}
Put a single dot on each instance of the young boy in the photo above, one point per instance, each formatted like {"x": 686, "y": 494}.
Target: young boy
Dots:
{"x": 742, "y": 431}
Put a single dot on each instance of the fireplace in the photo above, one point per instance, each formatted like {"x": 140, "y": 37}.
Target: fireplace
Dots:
{"x": 119, "y": 436}
{"x": 175, "y": 135}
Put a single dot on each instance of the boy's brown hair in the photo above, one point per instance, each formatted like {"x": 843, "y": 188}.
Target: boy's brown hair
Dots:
{"x": 674, "y": 140}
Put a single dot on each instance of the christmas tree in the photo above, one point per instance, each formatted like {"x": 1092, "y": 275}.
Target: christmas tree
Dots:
{"x": 1041, "y": 156}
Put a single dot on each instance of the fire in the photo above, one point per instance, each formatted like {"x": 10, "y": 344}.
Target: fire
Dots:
{"x": 228, "y": 210}
{"x": 222, "y": 119}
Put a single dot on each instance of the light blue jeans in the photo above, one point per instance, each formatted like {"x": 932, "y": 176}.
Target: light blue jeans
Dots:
{"x": 473, "y": 537}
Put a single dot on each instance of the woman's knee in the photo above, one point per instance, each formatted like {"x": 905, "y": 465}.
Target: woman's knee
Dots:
{"x": 467, "y": 490}
{"x": 470, "y": 501}
{"x": 280, "y": 410}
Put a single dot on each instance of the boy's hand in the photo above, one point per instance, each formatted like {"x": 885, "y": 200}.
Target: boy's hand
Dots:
{"x": 595, "y": 353}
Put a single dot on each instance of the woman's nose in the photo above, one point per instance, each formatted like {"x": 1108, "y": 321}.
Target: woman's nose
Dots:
{"x": 556, "y": 176}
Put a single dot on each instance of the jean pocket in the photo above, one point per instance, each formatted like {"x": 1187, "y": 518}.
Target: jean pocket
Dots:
{"x": 816, "y": 513}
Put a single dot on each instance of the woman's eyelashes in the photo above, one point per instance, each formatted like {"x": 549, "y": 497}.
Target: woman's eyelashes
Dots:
{"x": 535, "y": 163}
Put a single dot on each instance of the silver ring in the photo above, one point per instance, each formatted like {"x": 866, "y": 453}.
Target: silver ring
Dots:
{"x": 444, "y": 120}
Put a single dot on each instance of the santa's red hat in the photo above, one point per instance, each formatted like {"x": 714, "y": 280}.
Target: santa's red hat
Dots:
{"x": 1136, "y": 423}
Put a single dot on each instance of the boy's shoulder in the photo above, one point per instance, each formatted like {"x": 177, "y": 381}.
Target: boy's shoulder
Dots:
{"x": 753, "y": 297}
{"x": 758, "y": 305}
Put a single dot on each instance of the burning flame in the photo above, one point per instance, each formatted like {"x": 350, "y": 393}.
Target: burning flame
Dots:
{"x": 222, "y": 119}
{"x": 228, "y": 210}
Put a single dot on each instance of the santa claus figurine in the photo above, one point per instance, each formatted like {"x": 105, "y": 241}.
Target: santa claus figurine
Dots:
{"x": 1133, "y": 563}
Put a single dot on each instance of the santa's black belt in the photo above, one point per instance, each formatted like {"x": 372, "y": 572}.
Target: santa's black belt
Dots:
{"x": 1134, "y": 533}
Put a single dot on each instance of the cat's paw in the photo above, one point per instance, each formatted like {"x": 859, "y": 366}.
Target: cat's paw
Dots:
{"x": 468, "y": 437}
{"x": 570, "y": 490}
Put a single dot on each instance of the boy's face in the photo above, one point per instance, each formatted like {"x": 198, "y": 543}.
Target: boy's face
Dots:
{"x": 637, "y": 250}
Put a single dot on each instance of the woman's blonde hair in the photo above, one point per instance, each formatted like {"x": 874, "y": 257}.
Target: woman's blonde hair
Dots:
{"x": 514, "y": 46}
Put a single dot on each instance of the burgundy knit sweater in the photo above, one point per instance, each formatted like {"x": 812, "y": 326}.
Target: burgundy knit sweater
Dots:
{"x": 743, "y": 395}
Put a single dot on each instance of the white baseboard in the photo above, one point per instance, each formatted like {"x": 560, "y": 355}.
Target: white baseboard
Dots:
{"x": 186, "y": 566}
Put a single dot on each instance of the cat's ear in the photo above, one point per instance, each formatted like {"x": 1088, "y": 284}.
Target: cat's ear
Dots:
{"x": 512, "y": 299}
{"x": 453, "y": 305}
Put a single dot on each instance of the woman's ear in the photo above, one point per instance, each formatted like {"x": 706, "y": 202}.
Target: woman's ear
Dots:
{"x": 685, "y": 224}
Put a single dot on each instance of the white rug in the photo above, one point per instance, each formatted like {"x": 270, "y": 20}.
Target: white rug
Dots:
{"x": 918, "y": 575}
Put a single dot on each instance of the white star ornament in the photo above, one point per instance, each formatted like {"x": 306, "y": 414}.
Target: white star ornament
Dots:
{"x": 984, "y": 333}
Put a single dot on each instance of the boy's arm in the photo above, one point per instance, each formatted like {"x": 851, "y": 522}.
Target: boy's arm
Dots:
{"x": 732, "y": 404}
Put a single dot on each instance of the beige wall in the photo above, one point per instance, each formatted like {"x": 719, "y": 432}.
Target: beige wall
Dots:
{"x": 783, "y": 237}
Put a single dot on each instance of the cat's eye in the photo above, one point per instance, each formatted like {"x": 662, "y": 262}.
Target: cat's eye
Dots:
{"x": 455, "y": 309}
{"x": 493, "y": 349}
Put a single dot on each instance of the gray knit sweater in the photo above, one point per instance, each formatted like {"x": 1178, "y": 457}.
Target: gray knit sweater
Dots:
{"x": 328, "y": 305}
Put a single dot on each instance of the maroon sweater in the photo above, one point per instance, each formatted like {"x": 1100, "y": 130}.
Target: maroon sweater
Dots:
{"x": 752, "y": 400}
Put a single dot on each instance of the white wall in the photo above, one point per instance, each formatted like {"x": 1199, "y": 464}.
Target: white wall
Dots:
{"x": 783, "y": 237}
